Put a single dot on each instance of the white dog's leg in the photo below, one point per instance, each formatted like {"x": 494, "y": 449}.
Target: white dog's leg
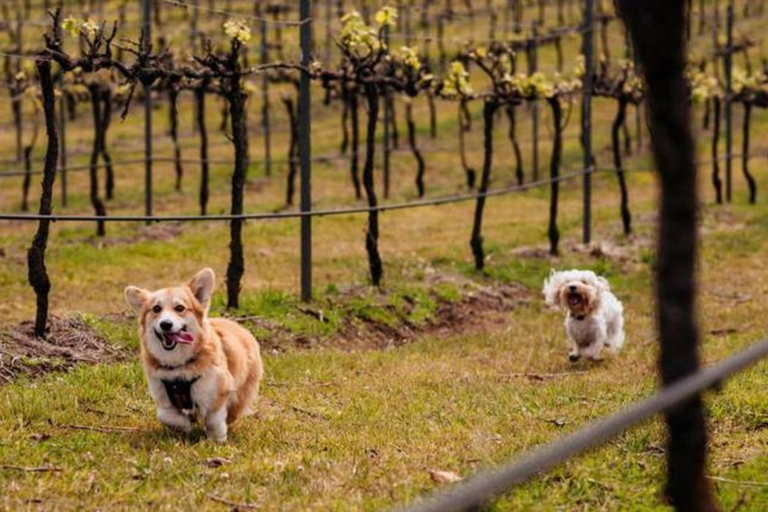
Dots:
{"x": 573, "y": 353}
{"x": 615, "y": 334}
{"x": 593, "y": 351}
{"x": 216, "y": 425}
{"x": 172, "y": 418}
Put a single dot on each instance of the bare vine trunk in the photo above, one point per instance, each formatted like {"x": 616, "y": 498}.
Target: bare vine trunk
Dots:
{"x": 476, "y": 242}
{"x": 106, "y": 121}
{"x": 354, "y": 107}
{"x": 293, "y": 151}
{"x": 618, "y": 122}
{"x": 416, "y": 153}
{"x": 465, "y": 125}
{"x": 98, "y": 134}
{"x": 37, "y": 273}
{"x": 203, "y": 132}
{"x": 657, "y": 29}
{"x": 745, "y": 154}
{"x": 173, "y": 107}
{"x": 716, "y": 181}
{"x": 236, "y": 266}
{"x": 372, "y": 234}
{"x": 515, "y": 144}
{"x": 554, "y": 174}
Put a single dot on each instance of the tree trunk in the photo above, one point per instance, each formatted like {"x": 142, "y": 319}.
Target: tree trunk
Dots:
{"x": 293, "y": 147}
{"x": 745, "y": 154}
{"x": 416, "y": 153}
{"x": 618, "y": 122}
{"x": 465, "y": 123}
{"x": 37, "y": 274}
{"x": 716, "y": 181}
{"x": 372, "y": 234}
{"x": 200, "y": 116}
{"x": 98, "y": 133}
{"x": 476, "y": 241}
{"x": 354, "y": 108}
{"x": 657, "y": 29}
{"x": 515, "y": 145}
{"x": 554, "y": 174}
{"x": 173, "y": 107}
{"x": 236, "y": 266}
{"x": 106, "y": 121}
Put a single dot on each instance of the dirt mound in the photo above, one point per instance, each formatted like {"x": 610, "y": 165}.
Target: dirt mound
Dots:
{"x": 479, "y": 307}
{"x": 68, "y": 342}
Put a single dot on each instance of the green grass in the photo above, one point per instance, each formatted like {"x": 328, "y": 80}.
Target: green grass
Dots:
{"x": 355, "y": 428}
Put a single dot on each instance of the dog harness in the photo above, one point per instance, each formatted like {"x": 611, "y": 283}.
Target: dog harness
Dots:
{"x": 180, "y": 392}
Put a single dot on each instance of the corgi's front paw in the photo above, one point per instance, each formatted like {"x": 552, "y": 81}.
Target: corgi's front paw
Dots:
{"x": 216, "y": 426}
{"x": 173, "y": 419}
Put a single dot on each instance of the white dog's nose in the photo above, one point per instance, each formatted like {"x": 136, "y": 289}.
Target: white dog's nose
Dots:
{"x": 572, "y": 287}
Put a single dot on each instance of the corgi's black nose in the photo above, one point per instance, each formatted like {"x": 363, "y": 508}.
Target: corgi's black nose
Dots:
{"x": 166, "y": 325}
{"x": 572, "y": 287}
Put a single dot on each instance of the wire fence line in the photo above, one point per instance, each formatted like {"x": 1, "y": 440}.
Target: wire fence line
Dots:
{"x": 455, "y": 198}
{"x": 472, "y": 494}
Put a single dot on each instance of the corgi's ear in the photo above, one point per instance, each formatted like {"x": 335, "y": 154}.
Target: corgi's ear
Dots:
{"x": 136, "y": 297}
{"x": 202, "y": 286}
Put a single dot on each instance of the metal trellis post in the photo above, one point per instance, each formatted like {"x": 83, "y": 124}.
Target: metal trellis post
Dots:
{"x": 305, "y": 151}
{"x": 532, "y": 66}
{"x": 63, "y": 144}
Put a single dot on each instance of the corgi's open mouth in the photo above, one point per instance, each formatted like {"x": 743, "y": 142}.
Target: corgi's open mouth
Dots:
{"x": 574, "y": 299}
{"x": 170, "y": 339}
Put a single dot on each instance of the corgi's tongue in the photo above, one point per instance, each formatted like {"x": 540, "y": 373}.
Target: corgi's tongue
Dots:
{"x": 181, "y": 337}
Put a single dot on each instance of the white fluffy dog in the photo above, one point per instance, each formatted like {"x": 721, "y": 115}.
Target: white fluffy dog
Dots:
{"x": 595, "y": 317}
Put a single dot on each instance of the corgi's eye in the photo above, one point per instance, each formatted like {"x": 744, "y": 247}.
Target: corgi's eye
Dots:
{"x": 157, "y": 308}
{"x": 179, "y": 308}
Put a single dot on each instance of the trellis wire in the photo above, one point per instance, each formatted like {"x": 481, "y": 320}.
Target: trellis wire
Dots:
{"x": 455, "y": 198}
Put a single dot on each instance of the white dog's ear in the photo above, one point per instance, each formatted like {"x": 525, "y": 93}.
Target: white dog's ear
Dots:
{"x": 551, "y": 290}
{"x": 202, "y": 286}
{"x": 603, "y": 284}
{"x": 136, "y": 297}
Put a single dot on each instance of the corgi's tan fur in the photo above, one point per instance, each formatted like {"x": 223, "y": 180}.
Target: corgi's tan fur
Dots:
{"x": 217, "y": 358}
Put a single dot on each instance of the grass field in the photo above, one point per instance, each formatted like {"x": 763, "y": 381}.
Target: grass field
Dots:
{"x": 367, "y": 390}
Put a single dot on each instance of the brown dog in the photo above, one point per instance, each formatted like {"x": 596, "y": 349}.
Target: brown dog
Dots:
{"x": 195, "y": 366}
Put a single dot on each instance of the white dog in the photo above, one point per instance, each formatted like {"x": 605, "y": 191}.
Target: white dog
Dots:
{"x": 595, "y": 316}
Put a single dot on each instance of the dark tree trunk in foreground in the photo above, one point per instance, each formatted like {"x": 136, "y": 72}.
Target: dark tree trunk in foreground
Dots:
{"x": 203, "y": 131}
{"x": 745, "y": 154}
{"x": 476, "y": 242}
{"x": 38, "y": 276}
{"x": 657, "y": 29}
{"x": 372, "y": 234}
{"x": 236, "y": 266}
{"x": 432, "y": 115}
{"x": 344, "y": 120}
{"x": 716, "y": 181}
{"x": 554, "y": 174}
{"x": 416, "y": 153}
{"x": 618, "y": 122}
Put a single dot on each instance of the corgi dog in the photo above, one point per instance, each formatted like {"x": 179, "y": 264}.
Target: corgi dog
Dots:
{"x": 195, "y": 366}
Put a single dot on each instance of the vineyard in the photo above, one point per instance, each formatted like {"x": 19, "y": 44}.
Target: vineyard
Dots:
{"x": 382, "y": 189}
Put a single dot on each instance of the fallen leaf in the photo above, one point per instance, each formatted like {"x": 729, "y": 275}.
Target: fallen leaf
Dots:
{"x": 443, "y": 477}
